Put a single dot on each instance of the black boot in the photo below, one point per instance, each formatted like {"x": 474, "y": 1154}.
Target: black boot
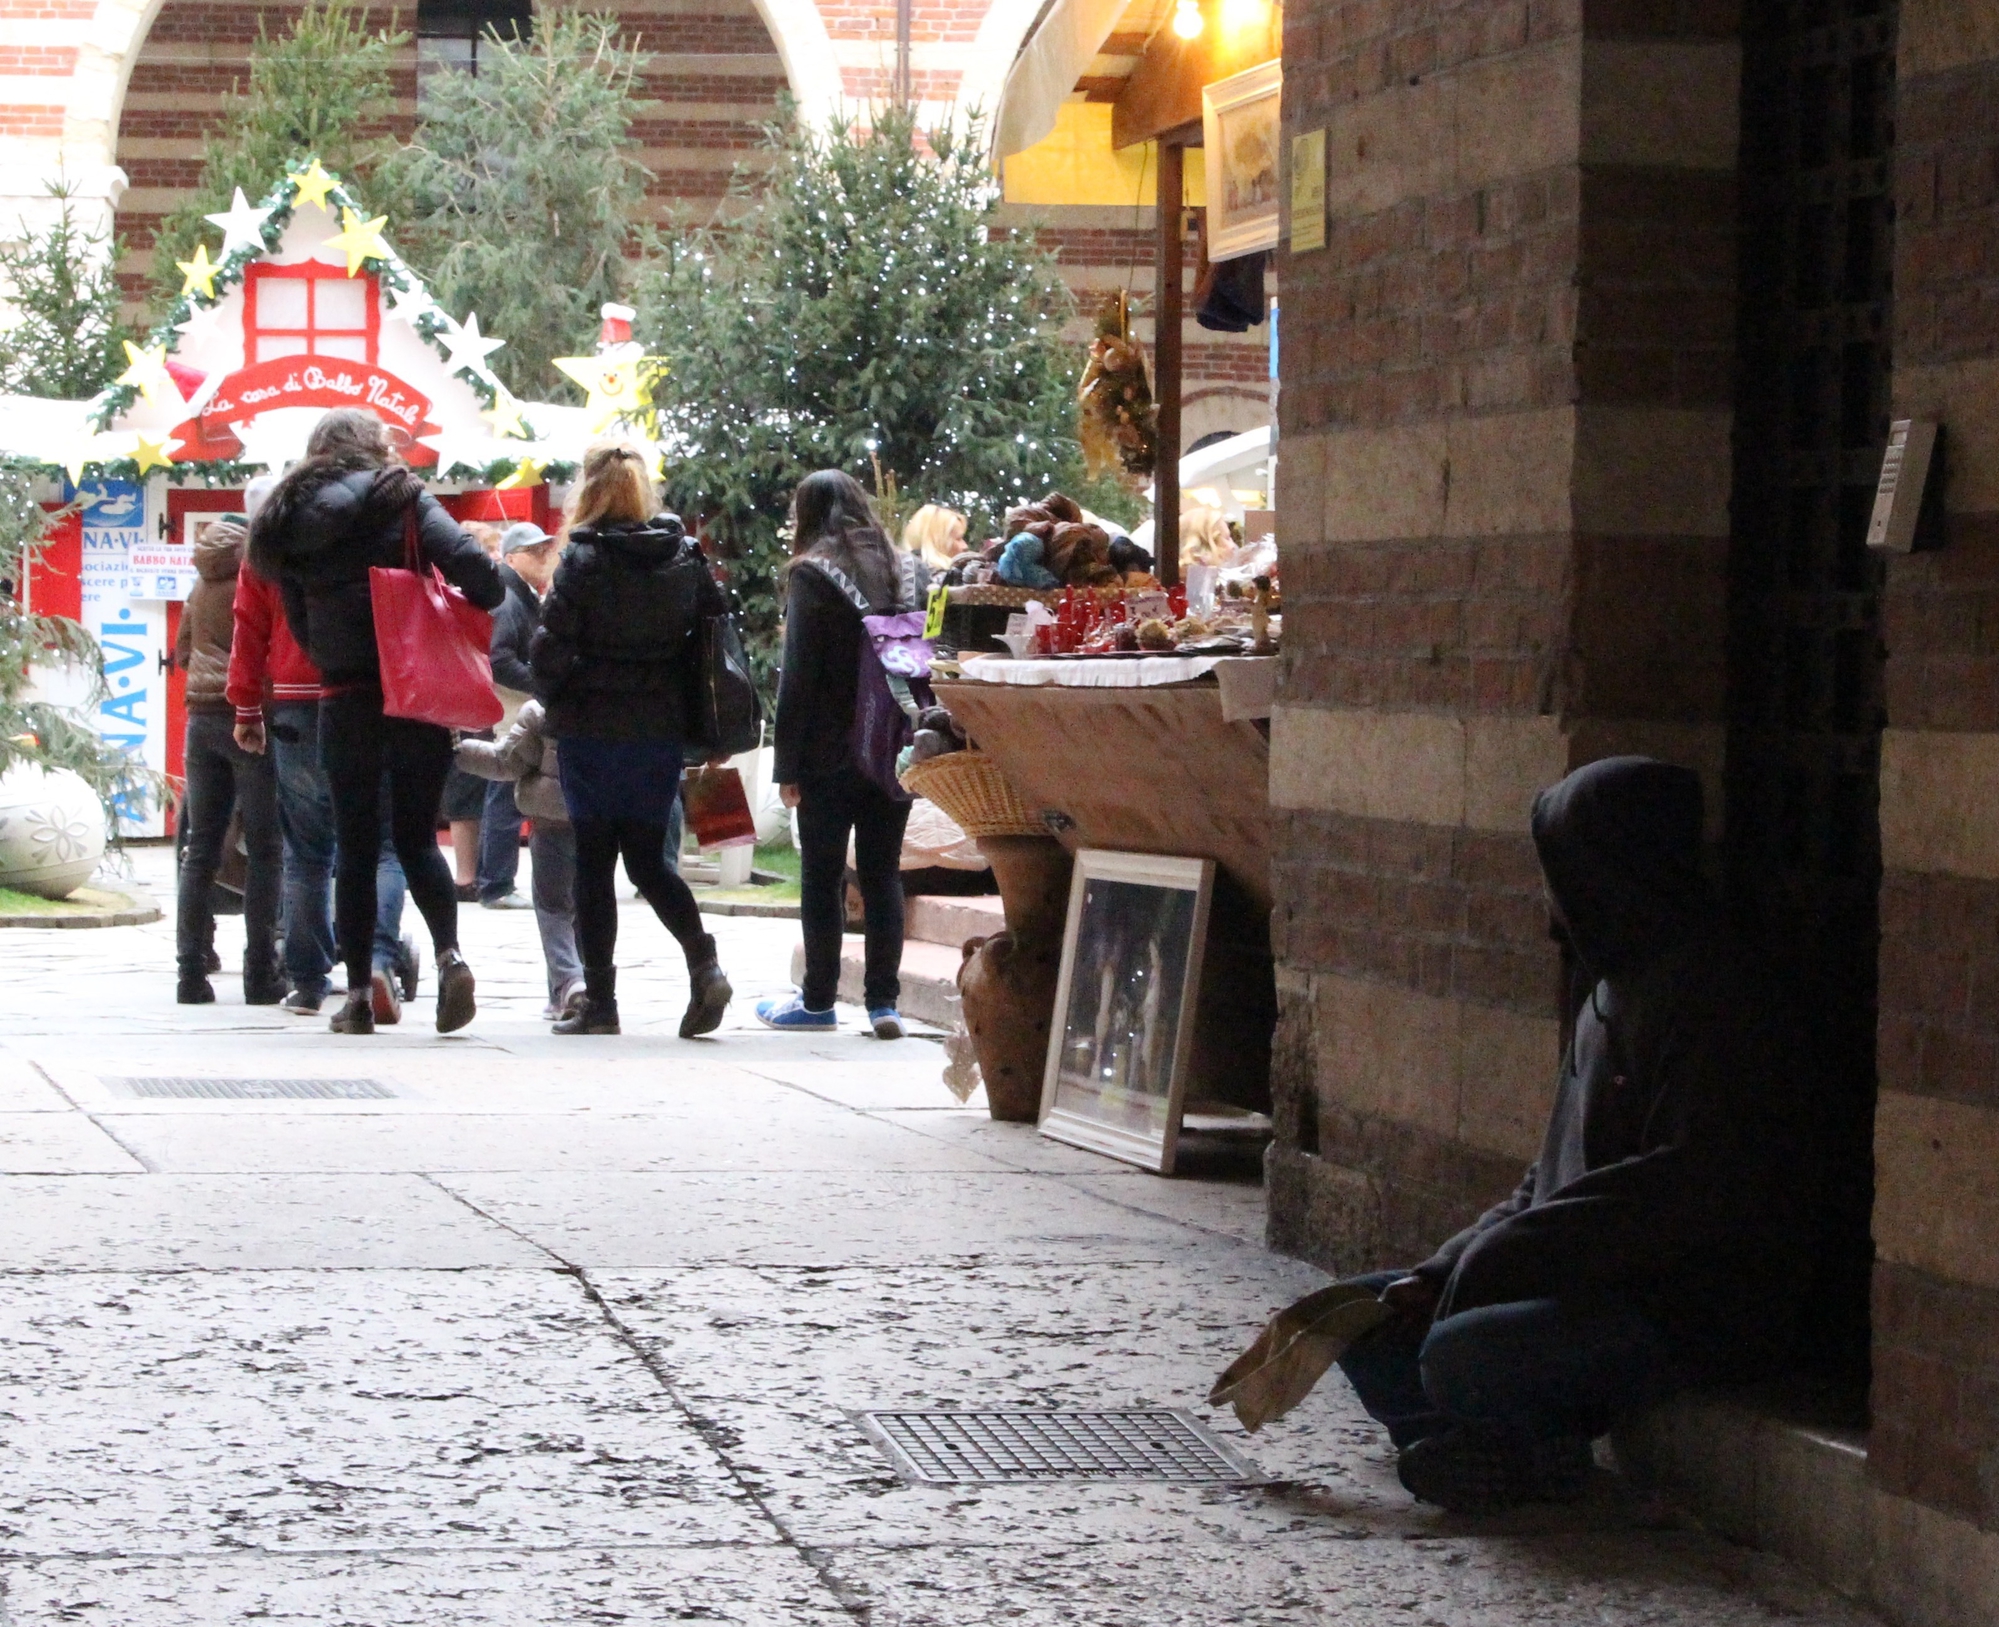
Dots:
{"x": 194, "y": 990}
{"x": 263, "y": 983}
{"x": 355, "y": 1016}
{"x": 598, "y": 1014}
{"x": 708, "y": 991}
{"x": 456, "y": 1004}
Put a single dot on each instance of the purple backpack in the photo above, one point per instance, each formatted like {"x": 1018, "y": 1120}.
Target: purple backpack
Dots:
{"x": 892, "y": 686}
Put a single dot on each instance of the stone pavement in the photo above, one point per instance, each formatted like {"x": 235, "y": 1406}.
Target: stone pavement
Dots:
{"x": 566, "y": 1331}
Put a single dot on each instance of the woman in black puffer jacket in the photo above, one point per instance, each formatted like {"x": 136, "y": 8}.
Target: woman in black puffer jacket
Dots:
{"x": 615, "y": 662}
{"x": 335, "y": 514}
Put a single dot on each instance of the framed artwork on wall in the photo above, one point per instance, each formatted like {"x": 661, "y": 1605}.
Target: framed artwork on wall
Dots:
{"x": 1242, "y": 133}
{"x": 1116, "y": 1079}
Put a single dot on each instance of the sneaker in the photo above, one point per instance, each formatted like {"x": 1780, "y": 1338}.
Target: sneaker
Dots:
{"x": 382, "y": 998}
{"x": 887, "y": 1022}
{"x": 194, "y": 991}
{"x": 507, "y": 901}
{"x": 791, "y": 1015}
{"x": 572, "y": 998}
{"x": 455, "y": 1003}
{"x": 355, "y": 1016}
{"x": 301, "y": 1004}
{"x": 409, "y": 966}
{"x": 708, "y": 997}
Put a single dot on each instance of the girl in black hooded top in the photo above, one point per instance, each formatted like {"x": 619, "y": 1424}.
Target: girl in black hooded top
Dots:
{"x": 614, "y": 661}
{"x": 337, "y": 513}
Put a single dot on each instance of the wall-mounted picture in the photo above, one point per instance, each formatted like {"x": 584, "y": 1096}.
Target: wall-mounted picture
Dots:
{"x": 1131, "y": 970}
{"x": 1242, "y": 132}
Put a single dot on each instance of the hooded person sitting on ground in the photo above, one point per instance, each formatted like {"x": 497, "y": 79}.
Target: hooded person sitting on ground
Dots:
{"x": 1661, "y": 1239}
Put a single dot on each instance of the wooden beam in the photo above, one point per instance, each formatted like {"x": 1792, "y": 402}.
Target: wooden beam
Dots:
{"x": 1164, "y": 90}
{"x": 1166, "y": 366}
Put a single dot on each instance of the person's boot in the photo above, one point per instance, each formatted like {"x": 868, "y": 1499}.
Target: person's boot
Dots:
{"x": 708, "y": 991}
{"x": 598, "y": 1014}
{"x": 1469, "y": 1470}
{"x": 263, "y": 983}
{"x": 455, "y": 1003}
{"x": 194, "y": 989}
{"x": 355, "y": 1016}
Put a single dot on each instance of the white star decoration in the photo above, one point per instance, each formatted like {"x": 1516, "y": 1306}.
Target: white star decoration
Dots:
{"x": 271, "y": 442}
{"x": 411, "y": 302}
{"x": 242, "y": 226}
{"x": 467, "y": 351}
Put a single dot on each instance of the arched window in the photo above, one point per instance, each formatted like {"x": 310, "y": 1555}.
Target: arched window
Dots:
{"x": 450, "y": 34}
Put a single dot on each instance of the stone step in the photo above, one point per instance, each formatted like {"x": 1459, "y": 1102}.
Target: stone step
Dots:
{"x": 929, "y": 978}
{"x": 950, "y": 921}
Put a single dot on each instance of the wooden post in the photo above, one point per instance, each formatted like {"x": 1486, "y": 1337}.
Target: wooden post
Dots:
{"x": 1166, "y": 367}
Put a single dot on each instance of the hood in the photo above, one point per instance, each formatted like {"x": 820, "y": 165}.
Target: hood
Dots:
{"x": 218, "y": 549}
{"x": 1620, "y": 847}
{"x": 328, "y": 506}
{"x": 653, "y": 542}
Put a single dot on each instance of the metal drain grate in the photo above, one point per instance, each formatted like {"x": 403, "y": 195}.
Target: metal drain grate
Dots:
{"x": 986, "y": 1448}
{"x": 339, "y": 1090}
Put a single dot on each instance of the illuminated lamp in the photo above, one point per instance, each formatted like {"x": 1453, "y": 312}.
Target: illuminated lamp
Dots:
{"x": 1187, "y": 19}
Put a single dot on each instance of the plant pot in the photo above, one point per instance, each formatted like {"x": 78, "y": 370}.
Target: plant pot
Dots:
{"x": 51, "y": 830}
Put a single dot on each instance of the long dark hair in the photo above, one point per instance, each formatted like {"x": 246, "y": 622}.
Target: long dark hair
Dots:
{"x": 833, "y": 520}
{"x": 346, "y": 439}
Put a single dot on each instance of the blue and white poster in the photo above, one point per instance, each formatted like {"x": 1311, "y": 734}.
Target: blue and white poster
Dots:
{"x": 132, "y": 631}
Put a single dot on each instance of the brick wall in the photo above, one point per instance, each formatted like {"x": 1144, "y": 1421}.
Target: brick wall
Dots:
{"x": 1503, "y": 496}
{"x": 1936, "y": 1292}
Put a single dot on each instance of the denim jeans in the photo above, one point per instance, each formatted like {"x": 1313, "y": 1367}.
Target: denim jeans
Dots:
{"x": 552, "y": 857}
{"x": 499, "y": 842}
{"x": 373, "y": 761}
{"x": 1537, "y": 1368}
{"x": 305, "y": 815}
{"x": 222, "y": 776}
{"x": 827, "y": 809}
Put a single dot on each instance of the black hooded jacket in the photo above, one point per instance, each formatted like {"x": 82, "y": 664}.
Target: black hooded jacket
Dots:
{"x": 320, "y": 542}
{"x": 1676, "y": 1171}
{"x": 614, "y": 658}
{"x": 514, "y": 624}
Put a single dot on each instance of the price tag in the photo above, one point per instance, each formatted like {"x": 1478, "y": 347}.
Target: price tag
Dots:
{"x": 933, "y": 623}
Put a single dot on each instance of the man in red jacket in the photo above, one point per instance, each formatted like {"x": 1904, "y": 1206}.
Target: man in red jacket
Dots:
{"x": 274, "y": 688}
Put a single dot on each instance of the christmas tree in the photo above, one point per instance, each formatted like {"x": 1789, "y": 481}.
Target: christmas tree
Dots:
{"x": 520, "y": 191}
{"x": 64, "y": 338}
{"x": 867, "y": 313}
{"x": 320, "y": 89}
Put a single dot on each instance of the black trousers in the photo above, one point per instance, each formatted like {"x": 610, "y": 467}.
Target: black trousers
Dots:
{"x": 221, "y": 775}
{"x": 361, "y": 750}
{"x": 599, "y": 842}
{"x": 828, "y": 808}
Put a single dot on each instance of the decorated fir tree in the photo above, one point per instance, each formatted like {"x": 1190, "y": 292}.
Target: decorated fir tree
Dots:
{"x": 867, "y": 313}
{"x": 520, "y": 193}
{"x": 319, "y": 89}
{"x": 62, "y": 336}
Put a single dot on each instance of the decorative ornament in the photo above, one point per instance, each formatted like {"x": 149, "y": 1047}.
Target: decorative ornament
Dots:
{"x": 152, "y": 454}
{"x": 270, "y": 443}
{"x": 314, "y": 184}
{"x": 1118, "y": 423}
{"x": 148, "y": 371}
{"x": 360, "y": 240}
{"x": 202, "y": 323}
{"x": 198, "y": 273}
{"x": 465, "y": 349}
{"x": 505, "y": 415}
{"x": 527, "y": 472}
{"x": 411, "y": 301}
{"x": 242, "y": 226}
{"x": 616, "y": 385}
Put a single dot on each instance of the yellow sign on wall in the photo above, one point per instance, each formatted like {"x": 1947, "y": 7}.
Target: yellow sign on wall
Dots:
{"x": 1308, "y": 192}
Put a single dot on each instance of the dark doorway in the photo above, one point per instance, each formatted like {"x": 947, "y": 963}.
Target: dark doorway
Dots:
{"x": 1805, "y": 668}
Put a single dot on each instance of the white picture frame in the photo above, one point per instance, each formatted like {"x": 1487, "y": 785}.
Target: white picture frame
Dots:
{"x": 1116, "y": 1076}
{"x": 1242, "y": 143}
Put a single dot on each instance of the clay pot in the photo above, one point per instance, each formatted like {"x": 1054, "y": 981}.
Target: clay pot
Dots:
{"x": 51, "y": 830}
{"x": 1007, "y": 982}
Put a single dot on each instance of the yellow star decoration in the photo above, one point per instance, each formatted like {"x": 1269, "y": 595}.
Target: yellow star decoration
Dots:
{"x": 505, "y": 415}
{"x": 526, "y": 473}
{"x": 359, "y": 239}
{"x": 153, "y": 454}
{"x": 148, "y": 370}
{"x": 616, "y": 384}
{"x": 314, "y": 184}
{"x": 198, "y": 273}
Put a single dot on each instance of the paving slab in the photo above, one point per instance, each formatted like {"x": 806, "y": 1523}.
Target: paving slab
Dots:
{"x": 60, "y": 1144}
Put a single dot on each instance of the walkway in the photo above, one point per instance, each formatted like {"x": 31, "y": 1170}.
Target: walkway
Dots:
{"x": 565, "y": 1331}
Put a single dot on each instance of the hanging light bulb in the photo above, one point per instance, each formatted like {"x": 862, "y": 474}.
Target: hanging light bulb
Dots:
{"x": 1187, "y": 19}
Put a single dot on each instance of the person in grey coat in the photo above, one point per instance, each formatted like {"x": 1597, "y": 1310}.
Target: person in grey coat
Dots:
{"x": 525, "y": 758}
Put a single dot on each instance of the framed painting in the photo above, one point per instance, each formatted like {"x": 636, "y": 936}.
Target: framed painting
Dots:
{"x": 1116, "y": 1078}
{"x": 1241, "y": 133}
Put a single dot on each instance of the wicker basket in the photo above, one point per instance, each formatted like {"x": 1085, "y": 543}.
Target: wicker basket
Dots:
{"x": 969, "y": 786}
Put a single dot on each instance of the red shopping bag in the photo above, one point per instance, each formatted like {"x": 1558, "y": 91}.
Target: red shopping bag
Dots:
{"x": 436, "y": 649}
{"x": 718, "y": 811}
